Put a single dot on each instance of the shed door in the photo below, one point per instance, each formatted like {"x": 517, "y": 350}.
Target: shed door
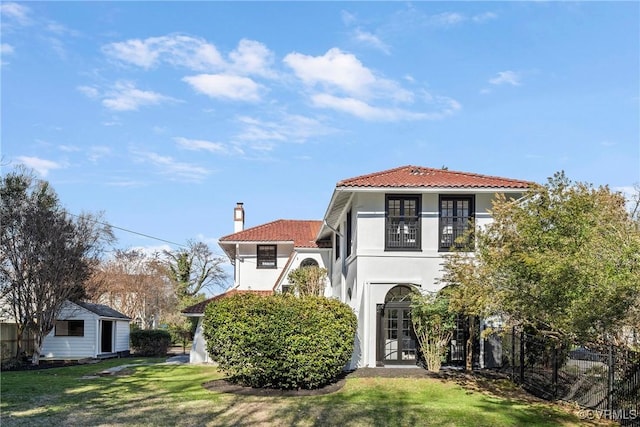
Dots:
{"x": 106, "y": 336}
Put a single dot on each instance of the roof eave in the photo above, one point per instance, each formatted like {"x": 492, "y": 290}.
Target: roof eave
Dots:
{"x": 440, "y": 189}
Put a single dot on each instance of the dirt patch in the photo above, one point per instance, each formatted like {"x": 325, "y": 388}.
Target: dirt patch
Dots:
{"x": 224, "y": 386}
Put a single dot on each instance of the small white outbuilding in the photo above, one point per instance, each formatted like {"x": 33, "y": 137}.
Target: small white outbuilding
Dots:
{"x": 87, "y": 330}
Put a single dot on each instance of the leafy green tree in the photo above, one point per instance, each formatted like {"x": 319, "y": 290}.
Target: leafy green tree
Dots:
{"x": 469, "y": 293}
{"x": 564, "y": 259}
{"x": 433, "y": 323}
{"x": 46, "y": 255}
{"x": 308, "y": 280}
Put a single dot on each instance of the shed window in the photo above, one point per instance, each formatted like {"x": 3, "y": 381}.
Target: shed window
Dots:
{"x": 69, "y": 328}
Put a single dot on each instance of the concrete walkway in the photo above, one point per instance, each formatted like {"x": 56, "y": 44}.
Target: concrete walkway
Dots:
{"x": 174, "y": 360}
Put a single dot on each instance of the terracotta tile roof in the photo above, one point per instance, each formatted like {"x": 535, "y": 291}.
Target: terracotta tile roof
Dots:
{"x": 301, "y": 232}
{"x": 201, "y": 306}
{"x": 417, "y": 176}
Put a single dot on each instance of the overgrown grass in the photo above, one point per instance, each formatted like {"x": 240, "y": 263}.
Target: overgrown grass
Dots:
{"x": 157, "y": 394}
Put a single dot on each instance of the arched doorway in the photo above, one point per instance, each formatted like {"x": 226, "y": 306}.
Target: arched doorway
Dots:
{"x": 396, "y": 341}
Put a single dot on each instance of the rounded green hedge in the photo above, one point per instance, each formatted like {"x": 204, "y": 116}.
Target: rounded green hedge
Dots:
{"x": 280, "y": 341}
{"x": 150, "y": 342}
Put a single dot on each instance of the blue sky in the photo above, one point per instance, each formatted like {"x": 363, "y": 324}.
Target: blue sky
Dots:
{"x": 165, "y": 114}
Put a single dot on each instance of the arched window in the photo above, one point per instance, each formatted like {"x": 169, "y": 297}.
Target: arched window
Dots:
{"x": 400, "y": 293}
{"x": 309, "y": 262}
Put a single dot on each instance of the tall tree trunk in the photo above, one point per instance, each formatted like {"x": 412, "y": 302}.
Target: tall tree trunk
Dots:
{"x": 19, "y": 334}
{"x": 37, "y": 346}
{"x": 470, "y": 340}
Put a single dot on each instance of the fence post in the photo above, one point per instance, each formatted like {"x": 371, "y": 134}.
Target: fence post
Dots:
{"x": 513, "y": 353}
{"x": 610, "y": 378}
{"x": 554, "y": 375}
{"x": 522, "y": 335}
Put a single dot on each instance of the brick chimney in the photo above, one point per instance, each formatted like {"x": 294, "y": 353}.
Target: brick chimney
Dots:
{"x": 238, "y": 218}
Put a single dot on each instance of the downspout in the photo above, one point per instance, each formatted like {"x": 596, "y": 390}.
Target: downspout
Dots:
{"x": 367, "y": 323}
{"x": 331, "y": 228}
{"x": 97, "y": 343}
{"x": 343, "y": 285}
{"x": 236, "y": 268}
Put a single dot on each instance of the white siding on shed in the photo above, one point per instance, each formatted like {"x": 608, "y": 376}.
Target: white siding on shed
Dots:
{"x": 122, "y": 335}
{"x": 87, "y": 346}
{"x": 60, "y": 347}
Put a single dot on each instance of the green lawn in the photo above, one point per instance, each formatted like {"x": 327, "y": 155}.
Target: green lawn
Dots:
{"x": 166, "y": 395}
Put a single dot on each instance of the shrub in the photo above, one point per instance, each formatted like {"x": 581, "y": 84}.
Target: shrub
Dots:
{"x": 280, "y": 341}
{"x": 433, "y": 324}
{"x": 150, "y": 342}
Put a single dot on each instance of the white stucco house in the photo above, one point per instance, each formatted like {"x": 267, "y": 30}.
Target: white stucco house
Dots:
{"x": 87, "y": 330}
{"x": 383, "y": 235}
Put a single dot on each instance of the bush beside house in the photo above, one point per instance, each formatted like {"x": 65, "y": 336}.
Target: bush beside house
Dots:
{"x": 280, "y": 341}
{"x": 150, "y": 342}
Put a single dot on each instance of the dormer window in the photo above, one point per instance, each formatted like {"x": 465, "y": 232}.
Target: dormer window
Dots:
{"x": 402, "y": 225}
{"x": 267, "y": 256}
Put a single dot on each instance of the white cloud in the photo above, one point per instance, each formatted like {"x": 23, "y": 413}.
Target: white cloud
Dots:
{"x": 59, "y": 29}
{"x": 447, "y": 19}
{"x": 129, "y": 183}
{"x": 335, "y": 69}
{"x": 6, "y": 49}
{"x": 176, "y": 170}
{"x": 370, "y": 39}
{"x": 506, "y": 77}
{"x": 289, "y": 128}
{"x": 179, "y": 50}
{"x": 97, "y": 152}
{"x": 42, "y": 166}
{"x": 227, "y": 86}
{"x": 252, "y": 57}
{"x": 69, "y": 148}
{"x": 17, "y": 12}
{"x": 126, "y": 97}
{"x": 483, "y": 17}
{"x": 200, "y": 145}
{"x": 348, "y": 18}
{"x": 363, "y": 110}
{"x": 443, "y": 107}
{"x": 89, "y": 91}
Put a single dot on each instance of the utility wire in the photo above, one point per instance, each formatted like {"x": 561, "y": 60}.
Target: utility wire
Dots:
{"x": 132, "y": 232}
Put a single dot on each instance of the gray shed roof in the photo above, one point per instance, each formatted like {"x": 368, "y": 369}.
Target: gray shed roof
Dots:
{"x": 102, "y": 310}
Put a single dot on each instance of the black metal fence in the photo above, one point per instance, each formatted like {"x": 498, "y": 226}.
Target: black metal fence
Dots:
{"x": 603, "y": 379}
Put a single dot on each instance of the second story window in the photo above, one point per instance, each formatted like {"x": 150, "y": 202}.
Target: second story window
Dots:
{"x": 267, "y": 256}
{"x": 402, "y": 225}
{"x": 456, "y": 217}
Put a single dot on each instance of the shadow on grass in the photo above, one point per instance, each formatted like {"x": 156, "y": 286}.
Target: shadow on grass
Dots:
{"x": 173, "y": 395}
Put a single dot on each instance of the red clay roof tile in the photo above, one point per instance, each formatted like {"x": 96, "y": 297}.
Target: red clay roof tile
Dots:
{"x": 301, "y": 232}
{"x": 417, "y": 176}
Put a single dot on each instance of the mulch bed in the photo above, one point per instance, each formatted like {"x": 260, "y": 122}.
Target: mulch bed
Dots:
{"x": 460, "y": 377}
